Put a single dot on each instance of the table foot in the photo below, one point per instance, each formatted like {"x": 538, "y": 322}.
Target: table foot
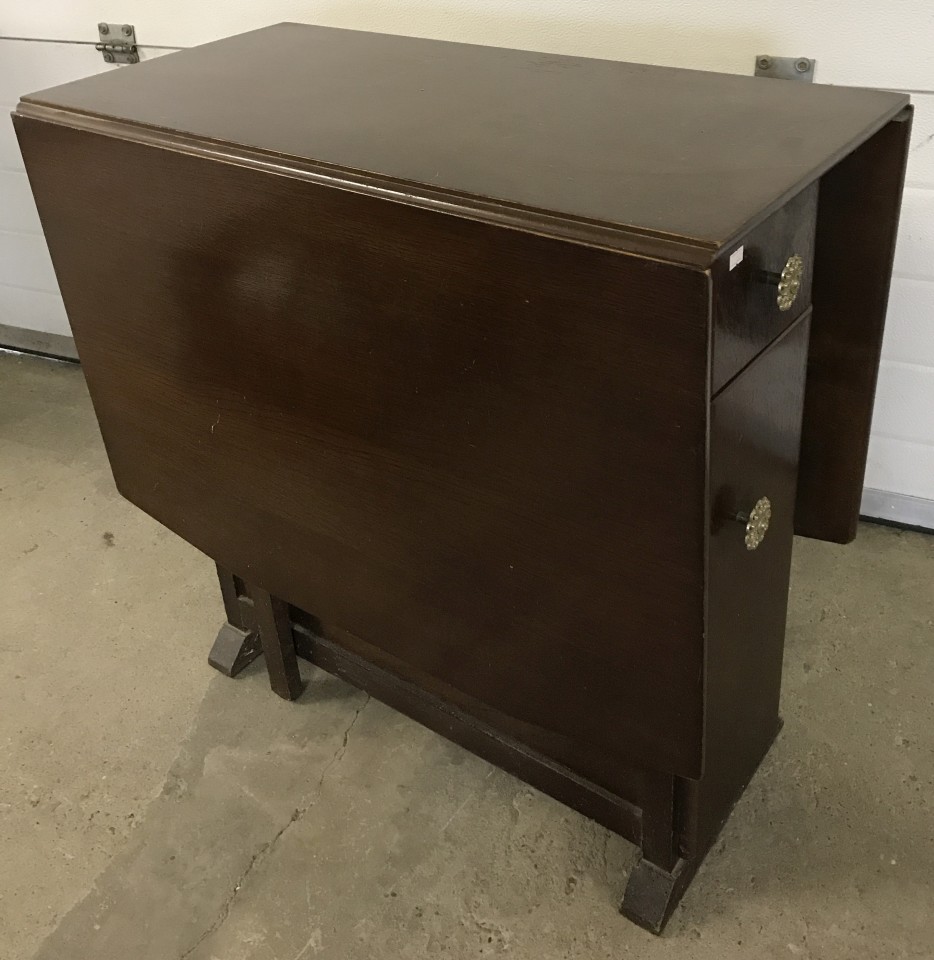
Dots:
{"x": 233, "y": 649}
{"x": 652, "y": 893}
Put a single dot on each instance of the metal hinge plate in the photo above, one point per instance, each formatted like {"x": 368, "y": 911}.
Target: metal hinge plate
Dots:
{"x": 117, "y": 42}
{"x": 785, "y": 68}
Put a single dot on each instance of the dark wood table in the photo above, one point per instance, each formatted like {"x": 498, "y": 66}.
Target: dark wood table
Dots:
{"x": 495, "y": 382}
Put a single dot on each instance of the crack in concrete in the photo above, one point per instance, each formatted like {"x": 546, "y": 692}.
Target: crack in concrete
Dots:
{"x": 268, "y": 846}
{"x": 341, "y": 750}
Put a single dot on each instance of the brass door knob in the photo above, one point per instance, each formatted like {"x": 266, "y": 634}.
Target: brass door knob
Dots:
{"x": 757, "y": 522}
{"x": 789, "y": 283}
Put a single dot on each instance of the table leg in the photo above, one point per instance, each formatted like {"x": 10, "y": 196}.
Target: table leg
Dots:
{"x": 275, "y": 632}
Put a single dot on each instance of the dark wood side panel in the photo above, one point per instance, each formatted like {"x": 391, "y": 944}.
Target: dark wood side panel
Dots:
{"x": 754, "y": 435}
{"x": 857, "y": 223}
{"x": 478, "y": 449}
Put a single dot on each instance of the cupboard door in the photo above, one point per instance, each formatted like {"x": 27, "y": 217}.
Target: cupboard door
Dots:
{"x": 755, "y": 427}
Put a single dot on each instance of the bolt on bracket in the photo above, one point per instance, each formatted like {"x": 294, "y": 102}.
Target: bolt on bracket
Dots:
{"x": 785, "y": 68}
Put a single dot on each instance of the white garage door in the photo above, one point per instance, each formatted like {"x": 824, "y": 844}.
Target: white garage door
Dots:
{"x": 31, "y": 311}
{"x": 854, "y": 42}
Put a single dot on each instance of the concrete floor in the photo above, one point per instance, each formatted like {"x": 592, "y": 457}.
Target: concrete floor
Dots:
{"x": 152, "y": 809}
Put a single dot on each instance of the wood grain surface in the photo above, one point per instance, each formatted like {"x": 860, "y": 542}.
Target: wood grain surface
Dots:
{"x": 480, "y": 450}
{"x": 688, "y": 154}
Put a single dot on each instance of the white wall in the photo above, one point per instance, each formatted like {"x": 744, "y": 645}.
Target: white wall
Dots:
{"x": 855, "y": 42}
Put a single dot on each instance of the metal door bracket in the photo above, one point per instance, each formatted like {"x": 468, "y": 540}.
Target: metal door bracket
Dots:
{"x": 117, "y": 42}
{"x": 785, "y": 68}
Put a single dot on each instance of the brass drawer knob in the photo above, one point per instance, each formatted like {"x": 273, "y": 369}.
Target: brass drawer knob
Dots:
{"x": 790, "y": 282}
{"x": 757, "y": 522}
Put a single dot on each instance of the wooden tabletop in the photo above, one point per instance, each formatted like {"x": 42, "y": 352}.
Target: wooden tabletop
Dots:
{"x": 685, "y": 154}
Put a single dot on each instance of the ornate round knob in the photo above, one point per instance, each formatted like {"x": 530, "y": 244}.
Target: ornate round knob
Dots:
{"x": 789, "y": 282}
{"x": 757, "y": 522}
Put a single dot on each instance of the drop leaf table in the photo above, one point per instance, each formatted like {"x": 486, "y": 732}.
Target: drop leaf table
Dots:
{"x": 494, "y": 382}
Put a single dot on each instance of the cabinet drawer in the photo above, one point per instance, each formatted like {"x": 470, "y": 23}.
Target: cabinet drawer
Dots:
{"x": 752, "y": 303}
